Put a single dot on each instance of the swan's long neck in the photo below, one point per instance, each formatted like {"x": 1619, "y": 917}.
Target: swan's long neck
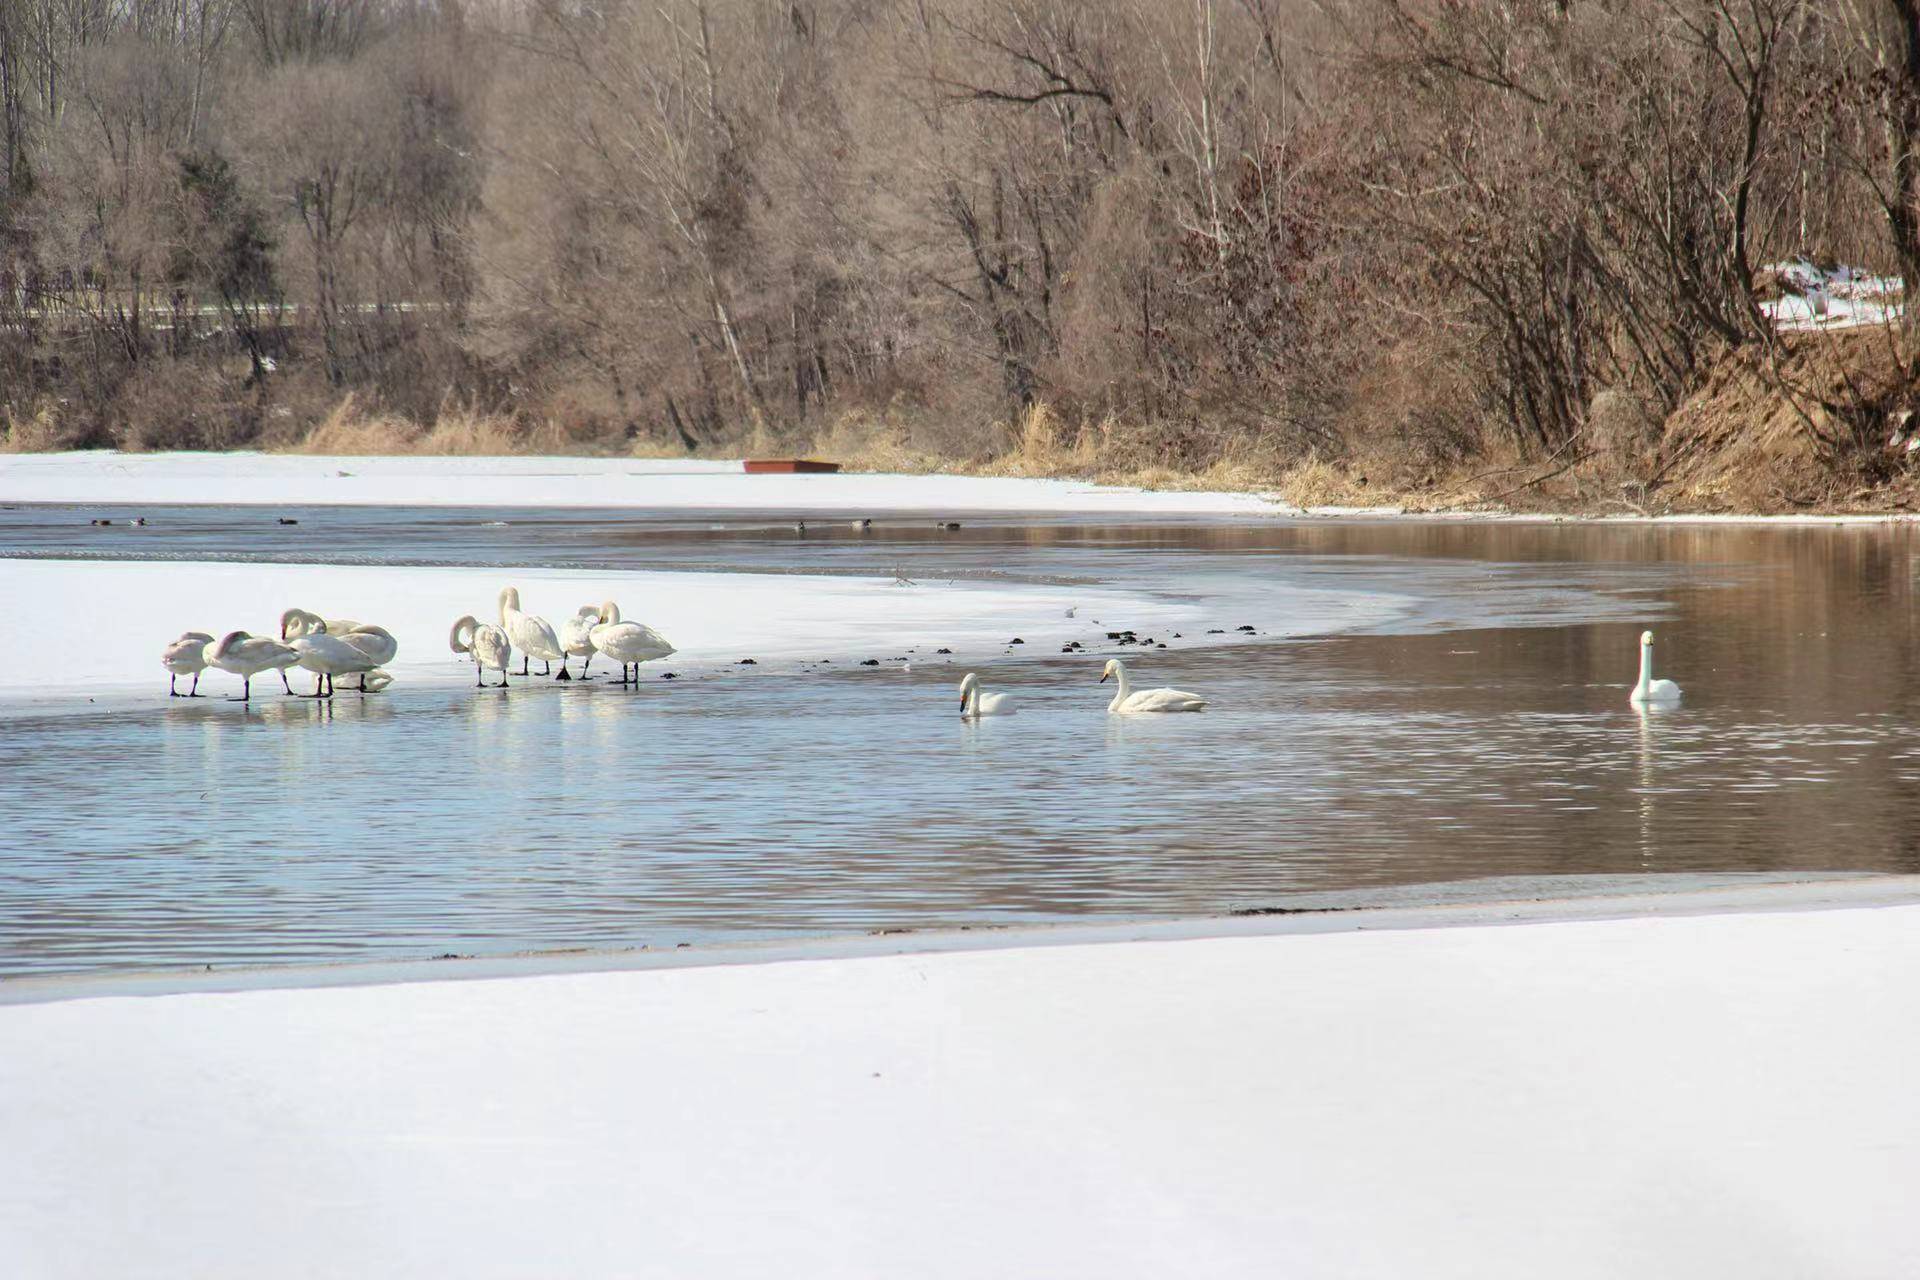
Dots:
{"x": 1646, "y": 671}
{"x": 973, "y": 700}
{"x": 509, "y": 599}
{"x": 609, "y": 613}
{"x": 1122, "y": 689}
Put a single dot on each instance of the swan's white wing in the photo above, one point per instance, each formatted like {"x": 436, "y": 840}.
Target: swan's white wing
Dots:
{"x": 576, "y": 634}
{"x": 1162, "y": 700}
{"x": 534, "y": 637}
{"x": 631, "y": 642}
{"x": 998, "y": 704}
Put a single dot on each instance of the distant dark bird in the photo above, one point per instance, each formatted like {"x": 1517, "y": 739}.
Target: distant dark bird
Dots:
{"x": 948, "y": 525}
{"x": 288, "y": 520}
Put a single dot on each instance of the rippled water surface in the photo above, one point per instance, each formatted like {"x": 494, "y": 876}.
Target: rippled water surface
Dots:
{"x": 1483, "y": 732}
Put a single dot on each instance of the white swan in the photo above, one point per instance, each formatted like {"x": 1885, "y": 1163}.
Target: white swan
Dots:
{"x": 328, "y": 656}
{"x": 1129, "y": 701}
{"x": 487, "y": 643}
{"x": 974, "y": 704}
{"x": 533, "y": 636}
{"x": 628, "y": 643}
{"x": 1648, "y": 691}
{"x": 247, "y": 655}
{"x": 576, "y": 637}
{"x": 186, "y": 656}
{"x": 376, "y": 645}
{"x": 297, "y": 622}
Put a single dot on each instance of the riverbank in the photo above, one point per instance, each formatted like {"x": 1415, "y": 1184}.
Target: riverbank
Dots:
{"x": 1702, "y": 1095}
{"x": 108, "y": 480}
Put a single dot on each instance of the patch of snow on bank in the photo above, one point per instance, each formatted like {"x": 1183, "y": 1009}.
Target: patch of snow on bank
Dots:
{"x": 644, "y": 485}
{"x": 1819, "y": 298}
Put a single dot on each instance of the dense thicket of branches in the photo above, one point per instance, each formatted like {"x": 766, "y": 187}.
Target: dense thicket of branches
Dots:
{"x": 1207, "y": 224}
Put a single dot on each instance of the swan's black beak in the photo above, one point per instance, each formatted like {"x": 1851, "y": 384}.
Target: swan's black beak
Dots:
{"x": 1102, "y": 679}
{"x": 963, "y": 704}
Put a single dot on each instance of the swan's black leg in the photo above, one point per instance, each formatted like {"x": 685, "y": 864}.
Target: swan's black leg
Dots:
{"x": 523, "y": 666}
{"x": 547, "y": 667}
{"x": 363, "y": 682}
{"x": 284, "y": 684}
{"x": 246, "y": 688}
{"x": 195, "y": 691}
{"x": 563, "y": 669}
{"x": 171, "y": 691}
{"x": 584, "y": 666}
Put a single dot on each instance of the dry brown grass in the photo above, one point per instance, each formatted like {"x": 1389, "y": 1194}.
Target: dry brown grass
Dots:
{"x": 39, "y": 429}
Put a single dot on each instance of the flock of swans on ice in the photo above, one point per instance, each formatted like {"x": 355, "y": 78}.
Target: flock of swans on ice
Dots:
{"x": 330, "y": 647}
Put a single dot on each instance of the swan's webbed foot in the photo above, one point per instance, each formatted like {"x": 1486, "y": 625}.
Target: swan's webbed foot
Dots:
{"x": 563, "y": 673}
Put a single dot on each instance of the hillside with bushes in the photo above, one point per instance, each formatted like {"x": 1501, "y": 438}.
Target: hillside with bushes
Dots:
{"x": 1631, "y": 255}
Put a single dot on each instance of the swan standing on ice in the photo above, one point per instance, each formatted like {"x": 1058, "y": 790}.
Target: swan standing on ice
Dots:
{"x": 576, "y": 637}
{"x": 628, "y": 642}
{"x": 186, "y": 656}
{"x": 376, "y": 645}
{"x": 328, "y": 656}
{"x": 487, "y": 643}
{"x": 1129, "y": 701}
{"x": 246, "y": 656}
{"x": 533, "y": 636}
{"x": 974, "y": 704}
{"x": 1649, "y": 692}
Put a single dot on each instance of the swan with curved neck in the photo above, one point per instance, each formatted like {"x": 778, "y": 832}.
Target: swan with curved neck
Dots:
{"x": 628, "y": 643}
{"x": 533, "y": 636}
{"x": 245, "y": 655}
{"x": 487, "y": 643}
{"x": 1130, "y": 701}
{"x": 297, "y": 622}
{"x": 1648, "y": 692}
{"x": 974, "y": 704}
{"x": 186, "y": 656}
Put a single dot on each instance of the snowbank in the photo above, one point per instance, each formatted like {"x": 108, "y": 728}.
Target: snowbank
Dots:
{"x": 1701, "y": 1097}
{"x": 648, "y": 485}
{"x": 710, "y": 617}
{"x": 1840, "y": 297}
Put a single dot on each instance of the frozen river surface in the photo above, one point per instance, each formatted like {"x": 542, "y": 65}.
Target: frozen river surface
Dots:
{"x": 1471, "y": 721}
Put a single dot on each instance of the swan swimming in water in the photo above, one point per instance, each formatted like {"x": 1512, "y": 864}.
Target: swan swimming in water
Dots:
{"x": 247, "y": 655}
{"x": 1649, "y": 692}
{"x": 628, "y": 643}
{"x": 576, "y": 637}
{"x": 186, "y": 656}
{"x": 532, "y": 635}
{"x": 1129, "y": 701}
{"x": 974, "y": 704}
{"x": 487, "y": 643}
